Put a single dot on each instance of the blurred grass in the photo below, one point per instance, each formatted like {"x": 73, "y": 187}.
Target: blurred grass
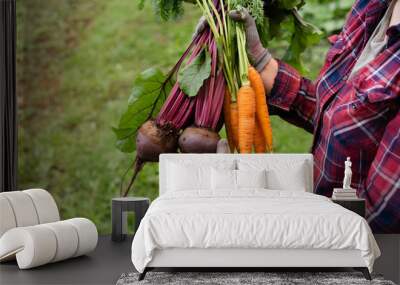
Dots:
{"x": 76, "y": 63}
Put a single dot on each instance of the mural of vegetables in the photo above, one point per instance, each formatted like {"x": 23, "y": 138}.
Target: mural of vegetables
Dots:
{"x": 211, "y": 85}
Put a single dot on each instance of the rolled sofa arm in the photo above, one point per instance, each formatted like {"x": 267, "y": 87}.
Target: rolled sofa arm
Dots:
{"x": 40, "y": 244}
{"x": 26, "y": 208}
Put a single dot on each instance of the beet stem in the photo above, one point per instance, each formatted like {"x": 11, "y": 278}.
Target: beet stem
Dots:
{"x": 138, "y": 167}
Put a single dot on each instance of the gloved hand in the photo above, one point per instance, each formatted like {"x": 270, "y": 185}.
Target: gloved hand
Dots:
{"x": 258, "y": 55}
{"x": 201, "y": 25}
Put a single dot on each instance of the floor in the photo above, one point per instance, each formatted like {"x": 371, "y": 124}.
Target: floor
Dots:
{"x": 110, "y": 259}
{"x": 103, "y": 266}
{"x": 388, "y": 264}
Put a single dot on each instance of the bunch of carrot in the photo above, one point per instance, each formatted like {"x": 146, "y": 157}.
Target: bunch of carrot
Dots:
{"x": 245, "y": 108}
{"x": 247, "y": 122}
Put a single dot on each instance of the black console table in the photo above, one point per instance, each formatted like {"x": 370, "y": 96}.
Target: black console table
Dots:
{"x": 355, "y": 205}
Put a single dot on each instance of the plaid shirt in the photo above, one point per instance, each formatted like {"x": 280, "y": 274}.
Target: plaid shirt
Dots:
{"x": 357, "y": 117}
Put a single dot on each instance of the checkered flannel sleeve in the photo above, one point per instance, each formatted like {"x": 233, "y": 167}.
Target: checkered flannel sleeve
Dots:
{"x": 293, "y": 97}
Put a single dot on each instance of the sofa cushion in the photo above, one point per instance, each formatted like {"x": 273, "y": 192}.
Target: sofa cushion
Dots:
{"x": 30, "y": 230}
{"x": 26, "y": 208}
{"x": 45, "y": 206}
{"x": 23, "y": 208}
{"x": 40, "y": 244}
{"x": 7, "y": 220}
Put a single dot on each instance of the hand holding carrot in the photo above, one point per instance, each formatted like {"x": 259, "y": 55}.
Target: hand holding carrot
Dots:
{"x": 258, "y": 55}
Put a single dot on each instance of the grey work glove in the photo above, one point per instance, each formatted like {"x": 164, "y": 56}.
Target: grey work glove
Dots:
{"x": 258, "y": 55}
{"x": 201, "y": 25}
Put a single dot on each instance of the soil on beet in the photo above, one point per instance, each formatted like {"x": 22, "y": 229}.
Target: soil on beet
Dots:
{"x": 152, "y": 140}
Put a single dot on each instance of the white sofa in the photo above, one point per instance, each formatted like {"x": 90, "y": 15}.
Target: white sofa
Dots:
{"x": 31, "y": 231}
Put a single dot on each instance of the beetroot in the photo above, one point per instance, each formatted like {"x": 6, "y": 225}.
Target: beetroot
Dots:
{"x": 198, "y": 140}
{"x": 152, "y": 140}
{"x": 203, "y": 136}
{"x": 160, "y": 135}
{"x": 180, "y": 111}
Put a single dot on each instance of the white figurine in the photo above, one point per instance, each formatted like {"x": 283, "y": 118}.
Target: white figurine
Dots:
{"x": 347, "y": 174}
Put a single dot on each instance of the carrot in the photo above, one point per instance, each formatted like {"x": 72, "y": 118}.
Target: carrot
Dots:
{"x": 246, "y": 107}
{"x": 227, "y": 119}
{"x": 259, "y": 140}
{"x": 261, "y": 103}
{"x": 235, "y": 124}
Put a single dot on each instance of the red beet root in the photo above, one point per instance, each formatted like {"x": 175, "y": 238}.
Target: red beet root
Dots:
{"x": 151, "y": 141}
{"x": 198, "y": 140}
{"x": 179, "y": 111}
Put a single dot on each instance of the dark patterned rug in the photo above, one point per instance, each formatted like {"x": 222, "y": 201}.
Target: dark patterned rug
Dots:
{"x": 243, "y": 278}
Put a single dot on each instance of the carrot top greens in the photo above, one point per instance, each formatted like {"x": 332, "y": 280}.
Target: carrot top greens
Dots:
{"x": 278, "y": 19}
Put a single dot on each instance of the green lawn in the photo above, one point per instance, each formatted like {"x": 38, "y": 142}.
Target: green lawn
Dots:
{"x": 76, "y": 63}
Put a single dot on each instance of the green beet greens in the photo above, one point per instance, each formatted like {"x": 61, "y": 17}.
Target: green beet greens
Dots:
{"x": 278, "y": 19}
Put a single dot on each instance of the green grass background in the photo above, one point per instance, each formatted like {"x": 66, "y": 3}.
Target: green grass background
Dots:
{"x": 76, "y": 61}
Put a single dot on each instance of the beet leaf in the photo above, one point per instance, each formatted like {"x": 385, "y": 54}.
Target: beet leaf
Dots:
{"x": 193, "y": 75}
{"x": 148, "y": 95}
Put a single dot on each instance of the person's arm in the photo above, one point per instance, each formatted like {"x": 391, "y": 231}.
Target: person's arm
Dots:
{"x": 382, "y": 186}
{"x": 289, "y": 95}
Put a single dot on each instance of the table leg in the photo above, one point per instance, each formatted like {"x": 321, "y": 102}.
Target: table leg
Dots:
{"x": 117, "y": 219}
{"x": 140, "y": 211}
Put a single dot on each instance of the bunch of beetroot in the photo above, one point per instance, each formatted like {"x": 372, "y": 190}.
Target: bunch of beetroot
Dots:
{"x": 202, "y": 137}
{"x": 189, "y": 122}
